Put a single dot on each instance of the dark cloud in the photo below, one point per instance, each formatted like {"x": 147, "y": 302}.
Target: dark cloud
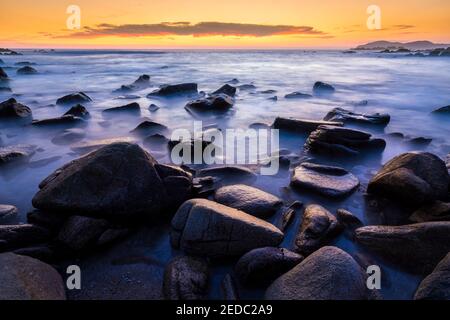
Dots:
{"x": 201, "y": 29}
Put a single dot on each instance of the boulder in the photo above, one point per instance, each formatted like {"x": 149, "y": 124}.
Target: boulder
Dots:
{"x": 342, "y": 115}
{"x": 301, "y": 125}
{"x": 248, "y": 199}
{"x": 325, "y": 180}
{"x": 133, "y": 107}
{"x": 227, "y": 90}
{"x": 244, "y": 87}
{"x": 26, "y": 70}
{"x": 69, "y": 136}
{"x": 436, "y": 211}
{"x": 12, "y": 109}
{"x": 148, "y": 127}
{"x": 413, "y": 178}
{"x": 20, "y": 152}
{"x": 343, "y": 142}
{"x": 117, "y": 180}
{"x": 320, "y": 88}
{"x": 226, "y": 175}
{"x": 297, "y": 95}
{"x": 263, "y": 265}
{"x": 141, "y": 83}
{"x": 1, "y": 61}
{"x": 78, "y": 111}
{"x": 7, "y": 211}
{"x": 176, "y": 89}
{"x": 416, "y": 247}
{"x": 218, "y": 102}
{"x": 327, "y": 274}
{"x": 153, "y": 107}
{"x": 65, "y": 120}
{"x": 17, "y": 236}
{"x": 442, "y": 110}
{"x": 25, "y": 278}
{"x": 317, "y": 228}
{"x": 436, "y": 286}
{"x": 3, "y": 74}
{"x": 74, "y": 98}
{"x": 348, "y": 220}
{"x": 206, "y": 228}
{"x": 186, "y": 278}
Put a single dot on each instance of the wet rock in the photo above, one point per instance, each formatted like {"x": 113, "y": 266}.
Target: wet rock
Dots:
{"x": 248, "y": 199}
{"x": 436, "y": 211}
{"x": 342, "y": 115}
{"x": 436, "y": 286}
{"x": 233, "y": 81}
{"x": 156, "y": 142}
{"x": 227, "y": 90}
{"x": 301, "y": 125}
{"x": 25, "y": 278}
{"x": 348, "y": 219}
{"x": 133, "y": 107}
{"x": 186, "y": 278}
{"x": 65, "y": 120}
{"x": 337, "y": 141}
{"x": 3, "y": 74}
{"x": 78, "y": 111}
{"x": 177, "y": 89}
{"x": 40, "y": 252}
{"x": 26, "y": 70}
{"x": 153, "y": 107}
{"x": 84, "y": 147}
{"x": 5, "y": 89}
{"x": 206, "y": 228}
{"x": 74, "y": 98}
{"x": 16, "y": 236}
{"x": 69, "y": 136}
{"x": 7, "y": 211}
{"x": 78, "y": 232}
{"x": 416, "y": 247}
{"x": 12, "y": 109}
{"x": 320, "y": 88}
{"x": 326, "y": 180}
{"x": 263, "y": 265}
{"x": 245, "y": 87}
{"x": 317, "y": 228}
{"x": 297, "y": 95}
{"x": 412, "y": 178}
{"x": 218, "y": 102}
{"x": 148, "y": 127}
{"x": 21, "y": 152}
{"x": 327, "y": 274}
{"x": 443, "y": 110}
{"x": 229, "y": 289}
{"x": 141, "y": 83}
{"x": 118, "y": 180}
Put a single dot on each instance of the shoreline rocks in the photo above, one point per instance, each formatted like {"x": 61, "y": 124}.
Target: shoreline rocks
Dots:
{"x": 133, "y": 107}
{"x": 26, "y": 70}
{"x": 74, "y": 98}
{"x": 12, "y": 109}
{"x": 176, "y": 89}
{"x": 297, "y": 95}
{"x": 3, "y": 74}
{"x": 18, "y": 236}
{"x": 342, "y": 115}
{"x": 66, "y": 119}
{"x": 322, "y": 88}
{"x": 216, "y": 102}
{"x": 21, "y": 152}
{"x": 140, "y": 83}
{"x": 301, "y": 125}
{"x": 442, "y": 110}
{"x": 226, "y": 89}
{"x": 7, "y": 211}
{"x": 77, "y": 111}
{"x": 436, "y": 286}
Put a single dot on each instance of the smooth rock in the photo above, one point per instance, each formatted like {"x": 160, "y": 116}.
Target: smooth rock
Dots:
{"x": 59, "y": 121}
{"x": 228, "y": 174}
{"x": 297, "y": 95}
{"x": 436, "y": 286}
{"x": 7, "y": 211}
{"x": 12, "y": 109}
{"x": 342, "y": 115}
{"x": 69, "y": 136}
{"x": 3, "y": 74}
{"x": 218, "y": 102}
{"x": 177, "y": 89}
{"x": 77, "y": 111}
{"x": 20, "y": 235}
{"x": 26, "y": 70}
{"x": 148, "y": 127}
{"x": 322, "y": 88}
{"x": 21, "y": 152}
{"x": 141, "y": 83}
{"x": 348, "y": 219}
{"x": 301, "y": 125}
{"x": 443, "y": 110}
{"x": 436, "y": 211}
{"x": 131, "y": 107}
{"x": 226, "y": 89}
{"x": 74, "y": 98}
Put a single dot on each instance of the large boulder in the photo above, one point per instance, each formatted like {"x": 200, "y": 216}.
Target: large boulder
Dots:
{"x": 12, "y": 109}
{"x": 206, "y": 228}
{"x": 322, "y": 88}
{"x": 78, "y": 111}
{"x": 147, "y": 128}
{"x": 186, "y": 278}
{"x": 120, "y": 179}
{"x": 65, "y": 120}
{"x": 74, "y": 98}
{"x": 263, "y": 265}
{"x": 413, "y": 178}
{"x": 342, "y": 115}
{"x": 325, "y": 180}
{"x": 442, "y": 110}
{"x": 416, "y": 247}
{"x": 317, "y": 228}
{"x": 301, "y": 125}
{"x": 248, "y": 199}
{"x": 327, "y": 274}
{"x": 297, "y": 95}
{"x": 176, "y": 89}
{"x": 436, "y": 286}
{"x": 226, "y": 89}
{"x": 141, "y": 83}
{"x": 25, "y": 278}
{"x": 133, "y": 107}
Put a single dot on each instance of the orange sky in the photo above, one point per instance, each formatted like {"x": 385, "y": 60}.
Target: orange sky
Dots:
{"x": 219, "y": 24}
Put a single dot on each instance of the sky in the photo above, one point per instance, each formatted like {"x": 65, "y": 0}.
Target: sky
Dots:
{"x": 219, "y": 24}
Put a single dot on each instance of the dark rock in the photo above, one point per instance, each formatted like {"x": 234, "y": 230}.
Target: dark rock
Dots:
{"x": 288, "y": 215}
{"x": 141, "y": 83}
{"x": 17, "y": 236}
{"x": 133, "y": 107}
{"x": 263, "y": 265}
{"x": 120, "y": 179}
{"x": 186, "y": 278}
{"x": 111, "y": 235}
{"x": 443, "y": 110}
{"x": 416, "y": 247}
{"x": 74, "y": 98}
{"x": 21, "y": 152}
{"x": 25, "y": 278}
{"x": 274, "y": 98}
{"x": 228, "y": 174}
{"x": 156, "y": 141}
{"x": 270, "y": 91}
{"x": 325, "y": 180}
{"x": 327, "y": 274}
{"x": 5, "y": 89}
{"x": 297, "y": 95}
{"x": 317, "y": 228}
{"x": 218, "y": 102}
{"x": 412, "y": 178}
{"x": 12, "y": 109}
{"x": 177, "y": 89}
{"x": 337, "y": 141}
{"x": 40, "y": 252}
{"x": 78, "y": 111}
{"x": 206, "y": 228}
{"x": 153, "y": 107}
{"x": 1, "y": 61}
{"x": 244, "y": 87}
{"x": 69, "y": 136}
{"x": 7, "y": 211}
{"x": 3, "y": 74}
{"x": 9, "y": 52}
{"x": 436, "y": 211}
{"x": 229, "y": 289}
{"x": 226, "y": 89}
{"x": 148, "y": 128}
{"x": 342, "y": 115}
{"x": 59, "y": 121}
{"x": 248, "y": 199}
{"x": 48, "y": 220}
{"x": 301, "y": 125}
{"x": 348, "y": 219}
{"x": 420, "y": 141}
{"x": 322, "y": 88}
{"x": 26, "y": 70}
{"x": 436, "y": 286}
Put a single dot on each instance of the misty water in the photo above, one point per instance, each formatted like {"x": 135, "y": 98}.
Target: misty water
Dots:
{"x": 408, "y": 88}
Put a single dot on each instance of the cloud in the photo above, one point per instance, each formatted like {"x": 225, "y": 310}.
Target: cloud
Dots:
{"x": 401, "y": 27}
{"x": 201, "y": 29}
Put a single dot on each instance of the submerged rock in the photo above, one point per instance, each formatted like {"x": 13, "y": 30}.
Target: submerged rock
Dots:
{"x": 443, "y": 110}
{"x": 412, "y": 178}
{"x": 7, "y": 211}
{"x": 69, "y": 136}
{"x": 228, "y": 174}
{"x": 417, "y": 247}
{"x": 148, "y": 127}
{"x": 206, "y": 228}
{"x": 327, "y": 274}
{"x": 263, "y": 265}
{"x": 244, "y": 87}
{"x": 12, "y": 109}
{"x": 74, "y": 98}
{"x": 21, "y": 152}
{"x": 317, "y": 228}
{"x": 437, "y": 211}
{"x": 120, "y": 179}
{"x": 348, "y": 219}
{"x": 436, "y": 286}
{"x": 337, "y": 141}
{"x": 141, "y": 83}
{"x": 84, "y": 147}
{"x": 301, "y": 125}
{"x": 186, "y": 278}
{"x": 226, "y": 89}
{"x": 326, "y": 180}
{"x": 322, "y": 88}
{"x": 176, "y": 89}
{"x": 218, "y": 102}
{"x": 17, "y": 236}
{"x": 78, "y": 111}
{"x": 3, "y": 74}
{"x": 342, "y": 115}
{"x": 63, "y": 120}
{"x": 26, "y": 70}
{"x": 131, "y": 107}
{"x": 297, "y": 95}
{"x": 25, "y": 278}
{"x": 248, "y": 199}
